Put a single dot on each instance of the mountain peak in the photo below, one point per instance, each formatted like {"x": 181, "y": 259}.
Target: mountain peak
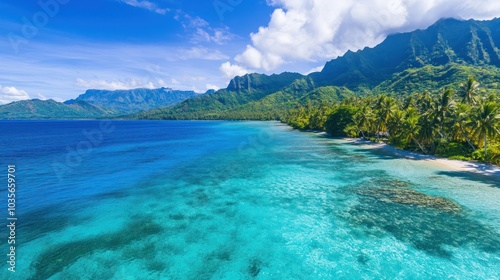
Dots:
{"x": 447, "y": 41}
{"x": 256, "y": 81}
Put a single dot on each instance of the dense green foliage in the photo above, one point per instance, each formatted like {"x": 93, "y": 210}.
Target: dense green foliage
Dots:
{"x": 439, "y": 77}
{"x": 461, "y": 124}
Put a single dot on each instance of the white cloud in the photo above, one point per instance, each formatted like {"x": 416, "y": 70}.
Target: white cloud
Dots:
{"x": 211, "y": 35}
{"x": 11, "y": 94}
{"x": 315, "y": 69}
{"x": 214, "y": 87}
{"x": 201, "y": 32}
{"x": 202, "y": 53}
{"x": 54, "y": 68}
{"x": 319, "y": 30}
{"x": 144, "y": 4}
{"x": 230, "y": 70}
{"x": 41, "y": 96}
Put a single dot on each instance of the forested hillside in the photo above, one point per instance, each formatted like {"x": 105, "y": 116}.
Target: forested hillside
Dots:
{"x": 459, "y": 124}
{"x": 431, "y": 60}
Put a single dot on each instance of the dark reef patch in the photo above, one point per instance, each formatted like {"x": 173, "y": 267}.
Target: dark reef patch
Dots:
{"x": 56, "y": 258}
{"x": 254, "y": 267}
{"x": 50, "y": 219}
{"x": 363, "y": 259}
{"x": 410, "y": 197}
{"x": 429, "y": 223}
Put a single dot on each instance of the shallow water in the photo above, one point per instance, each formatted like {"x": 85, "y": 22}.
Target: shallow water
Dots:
{"x": 238, "y": 200}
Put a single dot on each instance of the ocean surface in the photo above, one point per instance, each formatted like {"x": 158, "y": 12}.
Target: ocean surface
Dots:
{"x": 235, "y": 200}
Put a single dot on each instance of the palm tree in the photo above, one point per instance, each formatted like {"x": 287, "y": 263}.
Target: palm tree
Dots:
{"x": 459, "y": 120}
{"x": 424, "y": 102}
{"x": 319, "y": 116}
{"x": 412, "y": 128}
{"x": 385, "y": 108}
{"x": 495, "y": 159}
{"x": 364, "y": 119}
{"x": 484, "y": 123}
{"x": 427, "y": 130}
{"x": 444, "y": 108}
{"x": 409, "y": 103}
{"x": 395, "y": 124}
{"x": 469, "y": 91}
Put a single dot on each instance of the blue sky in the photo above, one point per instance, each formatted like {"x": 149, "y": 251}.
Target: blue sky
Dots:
{"x": 59, "y": 48}
{"x": 121, "y": 44}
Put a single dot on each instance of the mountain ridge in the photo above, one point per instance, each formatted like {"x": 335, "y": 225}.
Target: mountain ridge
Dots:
{"x": 133, "y": 100}
{"x": 50, "y": 109}
{"x": 442, "y": 55}
{"x": 96, "y": 104}
{"x": 415, "y": 49}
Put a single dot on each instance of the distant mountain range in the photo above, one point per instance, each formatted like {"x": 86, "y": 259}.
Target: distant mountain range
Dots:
{"x": 96, "y": 104}
{"x": 50, "y": 109}
{"x": 443, "y": 55}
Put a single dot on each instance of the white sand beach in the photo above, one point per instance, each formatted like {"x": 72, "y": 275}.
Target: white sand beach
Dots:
{"x": 455, "y": 165}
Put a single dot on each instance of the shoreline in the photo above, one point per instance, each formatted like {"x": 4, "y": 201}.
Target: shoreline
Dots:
{"x": 491, "y": 171}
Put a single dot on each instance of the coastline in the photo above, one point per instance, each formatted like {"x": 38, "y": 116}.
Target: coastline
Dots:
{"x": 492, "y": 171}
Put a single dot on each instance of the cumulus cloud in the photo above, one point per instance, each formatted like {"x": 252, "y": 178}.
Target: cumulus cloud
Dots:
{"x": 11, "y": 94}
{"x": 319, "y": 30}
{"x": 148, "y": 5}
{"x": 231, "y": 70}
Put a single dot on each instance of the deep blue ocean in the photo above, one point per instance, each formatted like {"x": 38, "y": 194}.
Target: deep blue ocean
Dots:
{"x": 235, "y": 200}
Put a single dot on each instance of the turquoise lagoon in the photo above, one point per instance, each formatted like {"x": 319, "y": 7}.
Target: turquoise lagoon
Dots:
{"x": 237, "y": 200}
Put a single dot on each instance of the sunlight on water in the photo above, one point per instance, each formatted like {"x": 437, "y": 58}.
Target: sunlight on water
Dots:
{"x": 241, "y": 200}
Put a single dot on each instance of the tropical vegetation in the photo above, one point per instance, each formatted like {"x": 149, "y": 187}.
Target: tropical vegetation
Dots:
{"x": 458, "y": 124}
{"x": 418, "y": 90}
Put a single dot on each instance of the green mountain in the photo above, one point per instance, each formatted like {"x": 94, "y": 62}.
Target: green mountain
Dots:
{"x": 448, "y": 41}
{"x": 240, "y": 91}
{"x": 50, "y": 109}
{"x": 435, "y": 78}
{"x": 443, "y": 55}
{"x": 96, "y": 104}
{"x": 135, "y": 100}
